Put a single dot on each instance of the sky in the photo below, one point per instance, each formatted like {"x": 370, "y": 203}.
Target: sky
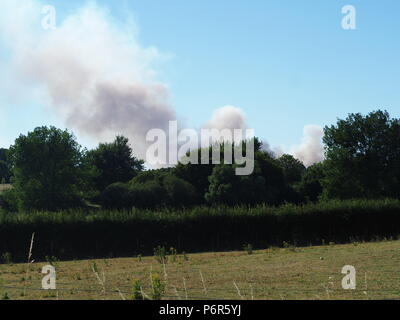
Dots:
{"x": 285, "y": 68}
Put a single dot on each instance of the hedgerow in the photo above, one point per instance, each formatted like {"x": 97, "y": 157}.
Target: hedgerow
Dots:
{"x": 78, "y": 234}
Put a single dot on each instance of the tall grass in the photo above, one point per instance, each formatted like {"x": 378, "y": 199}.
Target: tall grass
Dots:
{"x": 88, "y": 234}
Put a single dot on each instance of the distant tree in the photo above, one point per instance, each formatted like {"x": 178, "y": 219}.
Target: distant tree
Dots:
{"x": 265, "y": 185}
{"x": 197, "y": 175}
{"x": 166, "y": 188}
{"x": 228, "y": 188}
{"x": 363, "y": 157}
{"x": 114, "y": 162}
{"x": 310, "y": 185}
{"x": 179, "y": 191}
{"x": 46, "y": 167}
{"x": 278, "y": 191}
{"x": 5, "y": 173}
{"x": 293, "y": 169}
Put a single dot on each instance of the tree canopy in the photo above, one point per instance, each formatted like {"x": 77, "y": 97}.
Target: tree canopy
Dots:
{"x": 46, "y": 167}
{"x": 114, "y": 162}
{"x": 363, "y": 157}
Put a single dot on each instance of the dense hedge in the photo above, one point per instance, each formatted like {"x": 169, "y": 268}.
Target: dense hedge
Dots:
{"x": 73, "y": 235}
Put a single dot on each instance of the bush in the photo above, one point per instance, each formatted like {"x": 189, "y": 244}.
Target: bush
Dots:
{"x": 81, "y": 234}
{"x": 116, "y": 196}
{"x": 9, "y": 200}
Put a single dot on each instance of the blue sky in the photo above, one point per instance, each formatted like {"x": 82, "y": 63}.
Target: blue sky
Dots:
{"x": 285, "y": 63}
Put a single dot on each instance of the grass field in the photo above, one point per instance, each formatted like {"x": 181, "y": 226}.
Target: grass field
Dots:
{"x": 285, "y": 273}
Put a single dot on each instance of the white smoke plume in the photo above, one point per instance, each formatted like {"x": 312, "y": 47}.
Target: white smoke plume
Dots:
{"x": 311, "y": 150}
{"x": 227, "y": 117}
{"x": 96, "y": 76}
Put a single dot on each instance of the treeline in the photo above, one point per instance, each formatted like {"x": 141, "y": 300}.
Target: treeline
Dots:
{"x": 79, "y": 234}
{"x": 50, "y": 171}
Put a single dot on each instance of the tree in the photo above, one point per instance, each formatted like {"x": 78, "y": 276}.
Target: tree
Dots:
{"x": 310, "y": 186}
{"x": 265, "y": 185}
{"x": 46, "y": 167}
{"x": 293, "y": 169}
{"x": 114, "y": 162}
{"x": 198, "y": 174}
{"x": 5, "y": 173}
{"x": 228, "y": 188}
{"x": 166, "y": 188}
{"x": 363, "y": 157}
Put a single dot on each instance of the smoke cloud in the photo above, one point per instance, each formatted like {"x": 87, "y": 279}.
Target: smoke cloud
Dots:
{"x": 93, "y": 73}
{"x": 311, "y": 150}
{"x": 96, "y": 76}
{"x": 228, "y": 117}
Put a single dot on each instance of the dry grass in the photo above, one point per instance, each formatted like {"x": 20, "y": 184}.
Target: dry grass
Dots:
{"x": 290, "y": 273}
{"x": 4, "y": 187}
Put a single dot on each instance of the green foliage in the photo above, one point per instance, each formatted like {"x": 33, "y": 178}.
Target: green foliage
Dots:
{"x": 82, "y": 234}
{"x": 5, "y": 172}
{"x": 6, "y": 258}
{"x": 114, "y": 162}
{"x": 293, "y": 169}
{"x": 363, "y": 157}
{"x": 52, "y": 260}
{"x": 150, "y": 189}
{"x": 5, "y": 296}
{"x": 158, "y": 287}
{"x": 46, "y": 168}
{"x": 228, "y": 188}
{"x": 9, "y": 200}
{"x": 265, "y": 185}
{"x": 248, "y": 248}
{"x": 174, "y": 253}
{"x": 116, "y": 196}
{"x": 161, "y": 254}
{"x": 198, "y": 175}
{"x": 179, "y": 192}
{"x": 310, "y": 185}
{"x": 137, "y": 290}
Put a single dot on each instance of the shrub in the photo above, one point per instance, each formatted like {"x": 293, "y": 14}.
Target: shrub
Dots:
{"x": 6, "y": 258}
{"x": 83, "y": 234}
{"x": 157, "y": 286}
{"x": 116, "y": 196}
{"x": 9, "y": 200}
{"x": 137, "y": 290}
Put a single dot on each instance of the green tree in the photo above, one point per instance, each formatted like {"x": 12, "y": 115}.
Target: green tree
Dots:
{"x": 5, "y": 173}
{"x": 363, "y": 157}
{"x": 161, "y": 187}
{"x": 114, "y": 162}
{"x": 310, "y": 185}
{"x": 46, "y": 167}
{"x": 265, "y": 185}
{"x": 198, "y": 174}
{"x": 293, "y": 169}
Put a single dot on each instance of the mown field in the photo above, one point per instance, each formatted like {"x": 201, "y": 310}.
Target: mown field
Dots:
{"x": 274, "y": 273}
